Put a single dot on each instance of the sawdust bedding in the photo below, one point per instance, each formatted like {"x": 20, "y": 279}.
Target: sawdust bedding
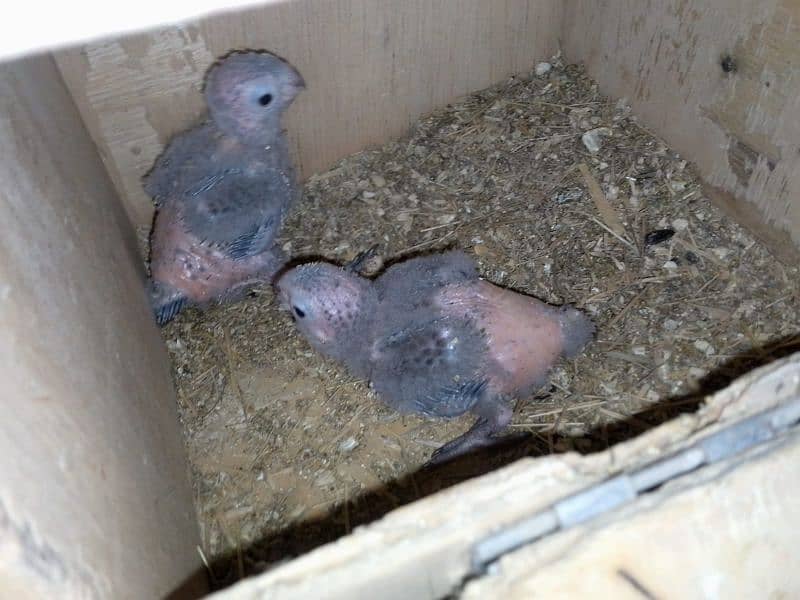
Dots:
{"x": 559, "y": 193}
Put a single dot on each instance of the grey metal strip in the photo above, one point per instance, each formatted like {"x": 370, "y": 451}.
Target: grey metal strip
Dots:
{"x": 626, "y": 487}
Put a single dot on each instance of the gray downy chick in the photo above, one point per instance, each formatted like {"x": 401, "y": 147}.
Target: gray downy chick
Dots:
{"x": 434, "y": 338}
{"x": 222, "y": 189}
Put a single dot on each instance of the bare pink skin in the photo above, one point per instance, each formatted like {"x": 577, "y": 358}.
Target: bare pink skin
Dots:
{"x": 435, "y": 339}
{"x": 523, "y": 334}
{"x": 202, "y": 273}
{"x": 223, "y": 188}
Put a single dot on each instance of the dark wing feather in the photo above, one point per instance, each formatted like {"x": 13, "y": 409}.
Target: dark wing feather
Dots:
{"x": 417, "y": 278}
{"x": 236, "y": 212}
{"x": 184, "y": 161}
{"x": 433, "y": 368}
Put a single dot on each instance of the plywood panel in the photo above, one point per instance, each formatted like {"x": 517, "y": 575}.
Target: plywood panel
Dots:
{"x": 739, "y": 124}
{"x": 725, "y": 533}
{"x": 372, "y": 68}
{"x": 94, "y": 494}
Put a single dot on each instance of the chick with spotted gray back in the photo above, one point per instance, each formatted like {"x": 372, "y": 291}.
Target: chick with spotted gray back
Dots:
{"x": 434, "y": 338}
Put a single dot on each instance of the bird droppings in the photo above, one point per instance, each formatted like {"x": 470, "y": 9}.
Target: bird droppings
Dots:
{"x": 542, "y": 69}
{"x": 498, "y": 174}
{"x": 593, "y": 139}
{"x": 348, "y": 445}
{"x": 680, "y": 224}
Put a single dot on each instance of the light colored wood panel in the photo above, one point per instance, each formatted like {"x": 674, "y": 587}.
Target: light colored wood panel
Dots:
{"x": 748, "y": 215}
{"x": 372, "y": 68}
{"x": 94, "y": 494}
{"x": 740, "y": 127}
{"x": 726, "y": 532}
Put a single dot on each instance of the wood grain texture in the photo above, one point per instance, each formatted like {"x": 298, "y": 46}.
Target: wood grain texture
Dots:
{"x": 741, "y": 127}
{"x": 722, "y": 533}
{"x": 94, "y": 494}
{"x": 372, "y": 67}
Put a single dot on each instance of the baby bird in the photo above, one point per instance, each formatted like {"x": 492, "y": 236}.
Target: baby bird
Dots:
{"x": 434, "y": 338}
{"x": 222, "y": 189}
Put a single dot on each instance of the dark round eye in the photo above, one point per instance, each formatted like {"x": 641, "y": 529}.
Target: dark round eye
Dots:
{"x": 298, "y": 312}
{"x": 265, "y": 100}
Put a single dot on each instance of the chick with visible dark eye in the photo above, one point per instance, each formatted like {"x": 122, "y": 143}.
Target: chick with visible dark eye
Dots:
{"x": 223, "y": 188}
{"x": 434, "y": 338}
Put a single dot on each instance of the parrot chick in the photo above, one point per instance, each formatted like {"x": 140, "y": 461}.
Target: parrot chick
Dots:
{"x": 434, "y": 338}
{"x": 222, "y": 189}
